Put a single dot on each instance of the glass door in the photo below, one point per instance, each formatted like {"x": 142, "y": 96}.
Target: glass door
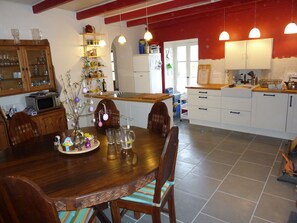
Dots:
{"x": 38, "y": 69}
{"x": 11, "y": 77}
{"x": 181, "y": 64}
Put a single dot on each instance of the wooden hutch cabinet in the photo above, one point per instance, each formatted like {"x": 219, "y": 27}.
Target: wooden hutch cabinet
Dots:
{"x": 27, "y": 67}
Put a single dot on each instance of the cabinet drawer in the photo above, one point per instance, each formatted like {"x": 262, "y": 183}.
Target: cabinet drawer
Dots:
{"x": 204, "y": 113}
{"x": 243, "y": 104}
{"x": 236, "y": 117}
{"x": 205, "y": 100}
{"x": 204, "y": 92}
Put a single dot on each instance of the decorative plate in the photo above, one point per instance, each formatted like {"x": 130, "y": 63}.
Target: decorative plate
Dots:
{"x": 83, "y": 149}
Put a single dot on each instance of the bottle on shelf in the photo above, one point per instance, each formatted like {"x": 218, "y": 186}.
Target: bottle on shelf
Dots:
{"x": 104, "y": 89}
{"x": 99, "y": 86}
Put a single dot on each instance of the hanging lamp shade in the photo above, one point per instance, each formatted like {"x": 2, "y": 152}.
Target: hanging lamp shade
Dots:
{"x": 224, "y": 36}
{"x": 122, "y": 39}
{"x": 291, "y": 28}
{"x": 254, "y": 33}
{"x": 148, "y": 36}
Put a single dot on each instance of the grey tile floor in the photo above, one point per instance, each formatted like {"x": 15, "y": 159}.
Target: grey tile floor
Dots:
{"x": 226, "y": 176}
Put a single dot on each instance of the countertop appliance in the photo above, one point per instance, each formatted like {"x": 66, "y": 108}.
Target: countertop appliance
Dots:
{"x": 147, "y": 73}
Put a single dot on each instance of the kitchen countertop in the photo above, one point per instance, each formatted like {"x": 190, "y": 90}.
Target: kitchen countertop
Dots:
{"x": 256, "y": 89}
{"x": 131, "y": 96}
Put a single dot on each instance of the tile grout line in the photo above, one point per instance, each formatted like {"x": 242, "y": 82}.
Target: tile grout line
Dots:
{"x": 261, "y": 194}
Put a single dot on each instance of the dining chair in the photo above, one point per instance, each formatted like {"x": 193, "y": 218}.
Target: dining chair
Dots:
{"x": 151, "y": 198}
{"x": 21, "y": 200}
{"x": 21, "y": 128}
{"x": 159, "y": 119}
{"x": 107, "y": 115}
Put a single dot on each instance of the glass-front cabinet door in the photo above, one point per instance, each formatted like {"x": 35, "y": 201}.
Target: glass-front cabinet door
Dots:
{"x": 39, "y": 68}
{"x": 11, "y": 77}
{"x": 25, "y": 68}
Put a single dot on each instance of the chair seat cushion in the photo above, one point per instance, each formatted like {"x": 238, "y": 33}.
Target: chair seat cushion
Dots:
{"x": 146, "y": 194}
{"x": 79, "y": 216}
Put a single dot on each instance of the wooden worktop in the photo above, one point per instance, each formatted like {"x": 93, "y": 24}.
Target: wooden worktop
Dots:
{"x": 256, "y": 89}
{"x": 130, "y": 96}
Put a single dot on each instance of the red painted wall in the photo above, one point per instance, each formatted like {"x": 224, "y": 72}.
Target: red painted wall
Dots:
{"x": 272, "y": 17}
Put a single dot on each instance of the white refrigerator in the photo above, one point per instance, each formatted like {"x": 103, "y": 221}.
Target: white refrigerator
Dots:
{"x": 147, "y": 73}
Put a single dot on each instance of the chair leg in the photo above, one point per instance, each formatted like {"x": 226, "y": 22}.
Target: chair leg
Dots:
{"x": 171, "y": 207}
{"x": 156, "y": 215}
{"x": 137, "y": 215}
{"x": 115, "y": 212}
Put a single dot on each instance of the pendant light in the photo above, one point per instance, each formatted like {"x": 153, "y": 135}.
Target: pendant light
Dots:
{"x": 147, "y": 36}
{"x": 291, "y": 28}
{"x": 122, "y": 39}
{"x": 255, "y": 32}
{"x": 224, "y": 35}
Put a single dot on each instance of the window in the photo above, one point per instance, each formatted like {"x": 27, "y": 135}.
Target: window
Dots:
{"x": 181, "y": 64}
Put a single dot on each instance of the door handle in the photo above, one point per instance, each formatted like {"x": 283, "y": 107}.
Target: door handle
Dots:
{"x": 291, "y": 100}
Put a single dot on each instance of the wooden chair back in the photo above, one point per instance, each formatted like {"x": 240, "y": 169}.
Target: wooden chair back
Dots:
{"x": 167, "y": 162}
{"x": 21, "y": 128}
{"x": 23, "y": 201}
{"x": 159, "y": 119}
{"x": 113, "y": 120}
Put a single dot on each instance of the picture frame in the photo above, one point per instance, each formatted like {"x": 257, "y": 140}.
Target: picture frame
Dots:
{"x": 204, "y": 71}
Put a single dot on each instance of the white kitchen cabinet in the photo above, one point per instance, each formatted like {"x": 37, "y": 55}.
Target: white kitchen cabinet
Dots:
{"x": 236, "y": 111}
{"x": 269, "y": 111}
{"x": 204, "y": 105}
{"x": 248, "y": 54}
{"x": 292, "y": 117}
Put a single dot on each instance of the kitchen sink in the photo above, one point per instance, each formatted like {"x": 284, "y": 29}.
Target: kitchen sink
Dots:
{"x": 242, "y": 90}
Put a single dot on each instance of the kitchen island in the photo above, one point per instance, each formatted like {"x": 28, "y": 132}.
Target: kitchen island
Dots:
{"x": 134, "y": 106}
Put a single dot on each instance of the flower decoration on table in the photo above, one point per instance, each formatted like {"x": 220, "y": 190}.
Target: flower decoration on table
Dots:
{"x": 76, "y": 106}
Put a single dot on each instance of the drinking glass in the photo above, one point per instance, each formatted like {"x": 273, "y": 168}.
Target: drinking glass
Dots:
{"x": 127, "y": 138}
{"x": 110, "y": 135}
{"x": 16, "y": 35}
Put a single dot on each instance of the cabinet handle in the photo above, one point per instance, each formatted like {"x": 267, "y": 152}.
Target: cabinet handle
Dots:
{"x": 232, "y": 112}
{"x": 202, "y": 92}
{"x": 23, "y": 69}
{"x": 204, "y": 109}
{"x": 271, "y": 95}
{"x": 202, "y": 97}
{"x": 291, "y": 100}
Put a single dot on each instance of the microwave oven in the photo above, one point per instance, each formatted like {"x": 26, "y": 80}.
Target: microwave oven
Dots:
{"x": 43, "y": 101}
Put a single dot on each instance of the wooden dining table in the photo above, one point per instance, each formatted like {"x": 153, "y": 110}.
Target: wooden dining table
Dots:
{"x": 76, "y": 181}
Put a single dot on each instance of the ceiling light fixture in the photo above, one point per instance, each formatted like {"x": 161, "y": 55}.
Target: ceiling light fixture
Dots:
{"x": 255, "y": 32}
{"x": 147, "y": 36}
{"x": 224, "y": 35}
{"x": 291, "y": 28}
{"x": 122, "y": 39}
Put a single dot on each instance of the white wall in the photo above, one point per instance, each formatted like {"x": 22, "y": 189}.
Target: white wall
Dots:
{"x": 62, "y": 30}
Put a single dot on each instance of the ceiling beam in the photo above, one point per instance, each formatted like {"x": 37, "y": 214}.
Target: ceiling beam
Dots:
{"x": 188, "y": 12}
{"x": 97, "y": 10}
{"x": 47, "y": 4}
{"x": 163, "y": 7}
